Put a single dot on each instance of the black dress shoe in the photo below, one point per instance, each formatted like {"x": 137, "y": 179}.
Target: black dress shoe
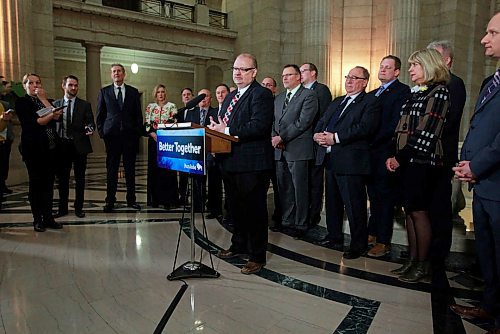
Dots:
{"x": 276, "y": 228}
{"x": 108, "y": 208}
{"x": 80, "y": 213}
{"x": 38, "y": 227}
{"x": 134, "y": 206}
{"x": 352, "y": 254}
{"x": 51, "y": 223}
{"x": 60, "y": 214}
{"x": 212, "y": 215}
{"x": 297, "y": 234}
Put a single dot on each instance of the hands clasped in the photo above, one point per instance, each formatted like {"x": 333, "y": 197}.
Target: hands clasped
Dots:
{"x": 324, "y": 138}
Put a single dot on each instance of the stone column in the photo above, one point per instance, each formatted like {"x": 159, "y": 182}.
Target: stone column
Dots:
{"x": 93, "y": 84}
{"x": 16, "y": 39}
{"x": 403, "y": 18}
{"x": 200, "y": 74}
{"x": 316, "y": 36}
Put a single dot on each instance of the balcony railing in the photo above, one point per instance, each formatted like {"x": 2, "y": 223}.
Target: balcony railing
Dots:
{"x": 168, "y": 9}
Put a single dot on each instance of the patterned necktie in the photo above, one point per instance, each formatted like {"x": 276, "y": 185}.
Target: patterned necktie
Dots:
{"x": 380, "y": 91}
{"x": 231, "y": 107}
{"x": 120, "y": 98}
{"x": 338, "y": 113}
{"x": 287, "y": 100}
{"x": 203, "y": 114}
{"x": 491, "y": 87}
{"x": 68, "y": 120}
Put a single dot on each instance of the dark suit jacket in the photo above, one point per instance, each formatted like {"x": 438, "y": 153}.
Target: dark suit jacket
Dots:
{"x": 294, "y": 125}
{"x": 482, "y": 146}
{"x": 324, "y": 96}
{"x": 391, "y": 100}
{"x": 82, "y": 116}
{"x": 251, "y": 120}
{"x": 193, "y": 115}
{"x": 355, "y": 129}
{"x": 451, "y": 128}
{"x": 113, "y": 121}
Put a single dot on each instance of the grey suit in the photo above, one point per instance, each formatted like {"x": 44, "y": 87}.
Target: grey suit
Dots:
{"x": 482, "y": 148}
{"x": 294, "y": 125}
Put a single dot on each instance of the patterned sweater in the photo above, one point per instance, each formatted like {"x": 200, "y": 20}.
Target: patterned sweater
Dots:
{"x": 418, "y": 134}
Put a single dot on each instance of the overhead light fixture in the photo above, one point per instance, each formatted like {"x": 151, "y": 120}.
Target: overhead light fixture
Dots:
{"x": 134, "y": 68}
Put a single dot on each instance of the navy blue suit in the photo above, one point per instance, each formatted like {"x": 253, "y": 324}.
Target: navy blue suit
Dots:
{"x": 348, "y": 165}
{"x": 382, "y": 188}
{"x": 120, "y": 130}
{"x": 482, "y": 148}
{"x": 246, "y": 170}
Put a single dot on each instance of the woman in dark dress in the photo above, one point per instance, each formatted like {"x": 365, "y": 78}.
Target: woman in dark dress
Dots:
{"x": 38, "y": 147}
{"x": 419, "y": 155}
{"x": 162, "y": 183}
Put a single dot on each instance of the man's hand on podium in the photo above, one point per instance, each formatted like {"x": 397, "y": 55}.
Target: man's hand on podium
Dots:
{"x": 219, "y": 127}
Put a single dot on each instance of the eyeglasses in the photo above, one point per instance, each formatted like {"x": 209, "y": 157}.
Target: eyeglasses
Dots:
{"x": 289, "y": 75}
{"x": 242, "y": 69}
{"x": 348, "y": 77}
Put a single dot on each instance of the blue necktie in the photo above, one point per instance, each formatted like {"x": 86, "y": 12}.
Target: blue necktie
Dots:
{"x": 495, "y": 81}
{"x": 380, "y": 91}
{"x": 337, "y": 113}
{"x": 202, "y": 116}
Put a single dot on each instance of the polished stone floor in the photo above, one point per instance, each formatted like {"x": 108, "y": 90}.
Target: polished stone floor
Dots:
{"x": 106, "y": 273}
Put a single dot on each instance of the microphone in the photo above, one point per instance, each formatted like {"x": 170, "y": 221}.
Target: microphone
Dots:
{"x": 193, "y": 102}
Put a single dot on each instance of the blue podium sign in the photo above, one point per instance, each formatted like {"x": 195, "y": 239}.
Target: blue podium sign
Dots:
{"x": 182, "y": 150}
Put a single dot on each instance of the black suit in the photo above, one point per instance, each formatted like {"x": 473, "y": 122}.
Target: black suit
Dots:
{"x": 382, "y": 189}
{"x": 247, "y": 168}
{"x": 440, "y": 213}
{"x": 120, "y": 130}
{"x": 318, "y": 172}
{"x": 214, "y": 188}
{"x": 348, "y": 165}
{"x": 72, "y": 150}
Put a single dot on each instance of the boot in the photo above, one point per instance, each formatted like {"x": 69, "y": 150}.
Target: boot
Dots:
{"x": 404, "y": 268}
{"x": 419, "y": 271}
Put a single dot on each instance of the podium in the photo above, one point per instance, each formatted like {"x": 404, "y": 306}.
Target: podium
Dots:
{"x": 213, "y": 142}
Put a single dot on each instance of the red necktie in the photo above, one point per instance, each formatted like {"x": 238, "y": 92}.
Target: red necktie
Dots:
{"x": 231, "y": 107}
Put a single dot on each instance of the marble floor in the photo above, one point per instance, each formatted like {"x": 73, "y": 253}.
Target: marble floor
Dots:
{"x": 106, "y": 273}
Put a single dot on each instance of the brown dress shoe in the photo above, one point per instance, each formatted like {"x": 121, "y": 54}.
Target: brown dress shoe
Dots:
{"x": 470, "y": 312}
{"x": 227, "y": 254}
{"x": 252, "y": 267}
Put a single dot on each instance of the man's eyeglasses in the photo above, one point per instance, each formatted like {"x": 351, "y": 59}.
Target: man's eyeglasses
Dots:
{"x": 349, "y": 77}
{"x": 242, "y": 69}
{"x": 289, "y": 75}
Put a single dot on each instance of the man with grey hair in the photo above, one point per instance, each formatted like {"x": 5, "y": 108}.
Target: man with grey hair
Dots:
{"x": 441, "y": 215}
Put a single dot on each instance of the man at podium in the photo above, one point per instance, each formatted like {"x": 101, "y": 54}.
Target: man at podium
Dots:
{"x": 248, "y": 114}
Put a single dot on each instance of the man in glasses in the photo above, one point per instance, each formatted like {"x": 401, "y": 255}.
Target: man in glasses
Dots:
{"x": 247, "y": 113}
{"x": 344, "y": 134}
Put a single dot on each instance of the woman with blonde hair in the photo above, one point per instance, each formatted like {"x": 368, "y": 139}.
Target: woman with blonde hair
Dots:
{"x": 419, "y": 155}
{"x": 162, "y": 183}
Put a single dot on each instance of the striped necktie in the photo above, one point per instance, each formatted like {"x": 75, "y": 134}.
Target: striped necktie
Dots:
{"x": 491, "y": 87}
{"x": 231, "y": 107}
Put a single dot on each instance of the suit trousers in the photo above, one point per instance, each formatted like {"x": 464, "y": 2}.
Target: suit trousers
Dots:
{"x": 346, "y": 191}
{"x": 486, "y": 214}
{"x": 317, "y": 186}
{"x": 40, "y": 166}
{"x": 117, "y": 146}
{"x": 293, "y": 185}
{"x": 68, "y": 157}
{"x": 381, "y": 188}
{"x": 248, "y": 208}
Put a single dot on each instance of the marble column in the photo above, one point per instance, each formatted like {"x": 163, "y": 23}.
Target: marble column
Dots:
{"x": 403, "y": 18}
{"x": 200, "y": 74}
{"x": 316, "y": 36}
{"x": 16, "y": 39}
{"x": 93, "y": 84}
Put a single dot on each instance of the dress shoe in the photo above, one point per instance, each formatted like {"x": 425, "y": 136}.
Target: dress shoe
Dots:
{"x": 212, "y": 215}
{"x": 108, "y": 208}
{"x": 51, "y": 223}
{"x": 252, "y": 267}
{"x": 372, "y": 240}
{"x": 80, "y": 213}
{"x": 134, "y": 206}
{"x": 227, "y": 254}
{"x": 38, "y": 227}
{"x": 379, "y": 250}
{"x": 60, "y": 213}
{"x": 276, "y": 228}
{"x": 470, "y": 312}
{"x": 297, "y": 234}
{"x": 351, "y": 254}
{"x": 419, "y": 271}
